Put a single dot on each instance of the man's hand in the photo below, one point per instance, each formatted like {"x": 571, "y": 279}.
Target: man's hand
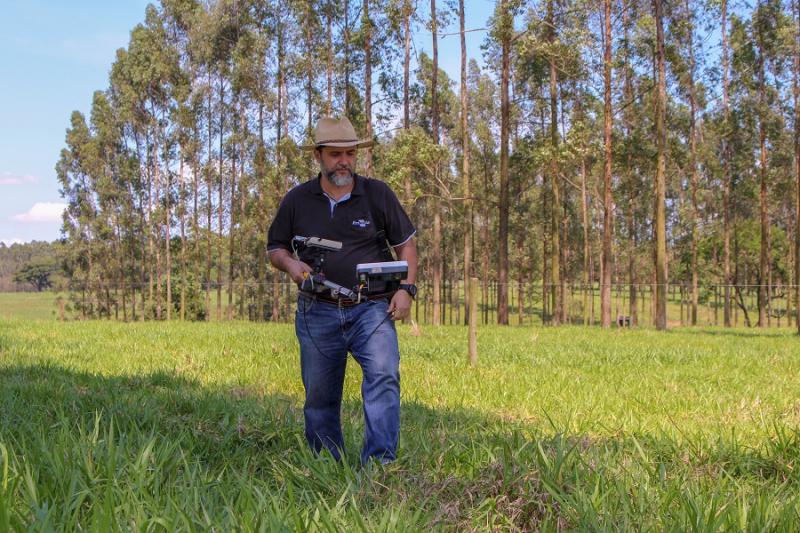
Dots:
{"x": 297, "y": 270}
{"x": 400, "y": 306}
{"x": 282, "y": 260}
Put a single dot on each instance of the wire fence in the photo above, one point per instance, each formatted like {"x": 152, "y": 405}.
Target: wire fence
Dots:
{"x": 527, "y": 303}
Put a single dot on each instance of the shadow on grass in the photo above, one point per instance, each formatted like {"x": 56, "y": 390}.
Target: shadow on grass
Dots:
{"x": 452, "y": 461}
{"x": 53, "y": 418}
{"x": 222, "y": 422}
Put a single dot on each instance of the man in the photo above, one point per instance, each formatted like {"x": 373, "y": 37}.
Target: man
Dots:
{"x": 340, "y": 205}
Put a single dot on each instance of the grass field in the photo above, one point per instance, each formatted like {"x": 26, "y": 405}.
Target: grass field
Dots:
{"x": 155, "y": 426}
{"x": 29, "y": 305}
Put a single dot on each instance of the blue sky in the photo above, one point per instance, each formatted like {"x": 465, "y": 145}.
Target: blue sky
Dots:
{"x": 53, "y": 56}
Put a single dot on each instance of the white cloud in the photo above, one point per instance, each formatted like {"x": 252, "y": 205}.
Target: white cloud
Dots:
{"x": 42, "y": 212}
{"x": 9, "y": 178}
{"x": 10, "y": 241}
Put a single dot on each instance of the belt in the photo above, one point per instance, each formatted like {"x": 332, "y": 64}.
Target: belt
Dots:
{"x": 319, "y": 297}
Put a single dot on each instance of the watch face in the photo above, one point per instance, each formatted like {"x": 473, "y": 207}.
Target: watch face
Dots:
{"x": 410, "y": 289}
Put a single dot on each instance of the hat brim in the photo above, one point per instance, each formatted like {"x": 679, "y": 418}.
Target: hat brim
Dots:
{"x": 346, "y": 144}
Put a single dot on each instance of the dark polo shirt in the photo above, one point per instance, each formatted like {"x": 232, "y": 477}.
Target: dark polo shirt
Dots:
{"x": 306, "y": 211}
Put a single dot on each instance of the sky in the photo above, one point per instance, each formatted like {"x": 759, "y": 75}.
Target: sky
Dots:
{"x": 55, "y": 54}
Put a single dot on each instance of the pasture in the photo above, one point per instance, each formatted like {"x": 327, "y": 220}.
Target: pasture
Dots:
{"x": 181, "y": 426}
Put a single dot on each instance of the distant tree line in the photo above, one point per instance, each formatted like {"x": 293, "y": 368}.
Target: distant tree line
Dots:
{"x": 625, "y": 142}
{"x": 32, "y": 266}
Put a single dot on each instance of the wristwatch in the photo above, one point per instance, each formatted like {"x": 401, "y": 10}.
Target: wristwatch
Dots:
{"x": 410, "y": 288}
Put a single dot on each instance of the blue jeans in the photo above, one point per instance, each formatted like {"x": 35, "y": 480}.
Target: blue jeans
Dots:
{"x": 326, "y": 333}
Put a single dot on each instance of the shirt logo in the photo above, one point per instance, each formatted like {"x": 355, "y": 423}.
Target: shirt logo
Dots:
{"x": 362, "y": 223}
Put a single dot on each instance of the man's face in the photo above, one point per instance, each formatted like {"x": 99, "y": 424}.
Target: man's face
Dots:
{"x": 337, "y": 164}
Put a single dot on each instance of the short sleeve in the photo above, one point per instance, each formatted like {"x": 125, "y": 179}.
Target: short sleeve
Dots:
{"x": 280, "y": 231}
{"x": 398, "y": 225}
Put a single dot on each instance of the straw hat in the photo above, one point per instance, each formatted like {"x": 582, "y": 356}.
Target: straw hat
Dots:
{"x": 336, "y": 133}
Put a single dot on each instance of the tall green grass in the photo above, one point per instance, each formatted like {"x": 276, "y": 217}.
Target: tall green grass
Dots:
{"x": 108, "y": 426}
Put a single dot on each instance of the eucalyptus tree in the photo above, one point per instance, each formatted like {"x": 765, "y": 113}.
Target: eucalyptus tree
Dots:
{"x": 434, "y": 111}
{"x": 763, "y": 39}
{"x": 484, "y": 123}
{"x": 796, "y": 95}
{"x": 532, "y": 55}
{"x": 106, "y": 161}
{"x": 632, "y": 184}
{"x": 400, "y": 24}
{"x": 367, "y": 32}
{"x": 252, "y": 80}
{"x": 79, "y": 216}
{"x": 465, "y": 162}
{"x": 759, "y": 53}
{"x": 660, "y": 113}
{"x": 687, "y": 62}
{"x": 143, "y": 78}
{"x": 608, "y": 226}
{"x": 182, "y": 16}
{"x": 770, "y": 32}
{"x": 436, "y": 207}
{"x": 556, "y": 252}
{"x": 503, "y": 33}
{"x": 726, "y": 168}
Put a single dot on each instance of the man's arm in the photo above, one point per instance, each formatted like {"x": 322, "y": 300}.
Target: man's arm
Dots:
{"x": 408, "y": 252}
{"x": 283, "y": 260}
{"x": 400, "y": 306}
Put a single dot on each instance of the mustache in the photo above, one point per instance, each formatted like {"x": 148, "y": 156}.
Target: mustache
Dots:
{"x": 338, "y": 168}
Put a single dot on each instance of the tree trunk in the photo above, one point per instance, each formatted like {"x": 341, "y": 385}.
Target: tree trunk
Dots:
{"x": 168, "y": 243}
{"x": 726, "y": 174}
{"x": 436, "y": 204}
{"x": 502, "y": 255}
{"x": 232, "y": 230}
{"x": 367, "y": 82}
{"x": 485, "y": 240}
{"x": 605, "y": 290}
{"x": 555, "y": 210}
{"x": 406, "y": 76}
{"x": 347, "y": 111}
{"x": 182, "y": 211}
{"x": 156, "y": 230}
{"x": 209, "y": 202}
{"x": 276, "y": 280}
{"x": 220, "y": 197}
{"x": 633, "y": 185}
{"x": 465, "y": 176}
{"x": 243, "y": 226}
{"x": 661, "y": 143}
{"x": 763, "y": 274}
{"x": 586, "y": 244}
{"x": 407, "y": 10}
{"x": 693, "y": 164}
{"x": 309, "y": 74}
{"x": 796, "y": 90}
{"x": 262, "y": 209}
{"x": 329, "y": 62}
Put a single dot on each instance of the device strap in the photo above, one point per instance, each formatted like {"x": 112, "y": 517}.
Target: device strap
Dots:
{"x": 378, "y": 220}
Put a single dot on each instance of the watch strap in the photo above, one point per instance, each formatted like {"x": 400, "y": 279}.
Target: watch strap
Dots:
{"x": 410, "y": 288}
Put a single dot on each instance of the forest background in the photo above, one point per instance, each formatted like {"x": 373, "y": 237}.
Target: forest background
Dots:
{"x": 645, "y": 149}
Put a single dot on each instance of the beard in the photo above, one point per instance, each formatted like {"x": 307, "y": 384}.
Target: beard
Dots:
{"x": 338, "y": 179}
